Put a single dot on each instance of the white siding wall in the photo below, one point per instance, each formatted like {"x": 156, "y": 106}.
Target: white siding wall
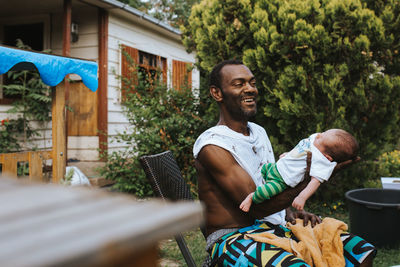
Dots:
{"x": 87, "y": 45}
{"x": 84, "y": 148}
{"x": 122, "y": 31}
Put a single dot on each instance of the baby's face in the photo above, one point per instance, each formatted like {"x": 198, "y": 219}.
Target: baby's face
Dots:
{"x": 324, "y": 140}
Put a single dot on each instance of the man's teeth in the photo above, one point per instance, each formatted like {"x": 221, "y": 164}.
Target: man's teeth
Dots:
{"x": 248, "y": 100}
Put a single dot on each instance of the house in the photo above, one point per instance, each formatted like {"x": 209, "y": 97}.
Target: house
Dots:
{"x": 99, "y": 29}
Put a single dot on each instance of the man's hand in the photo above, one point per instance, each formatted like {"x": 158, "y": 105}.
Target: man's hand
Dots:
{"x": 291, "y": 217}
{"x": 343, "y": 165}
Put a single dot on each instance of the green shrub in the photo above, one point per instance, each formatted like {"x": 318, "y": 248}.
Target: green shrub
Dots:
{"x": 161, "y": 119}
{"x": 8, "y": 140}
{"x": 389, "y": 164}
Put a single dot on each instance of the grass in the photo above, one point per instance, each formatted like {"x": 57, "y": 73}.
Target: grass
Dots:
{"x": 196, "y": 244}
{"x": 387, "y": 257}
{"x": 169, "y": 249}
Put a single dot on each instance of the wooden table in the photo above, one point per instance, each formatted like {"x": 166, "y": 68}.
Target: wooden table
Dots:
{"x": 53, "y": 225}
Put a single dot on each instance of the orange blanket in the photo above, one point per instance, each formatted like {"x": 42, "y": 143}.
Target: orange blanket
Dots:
{"x": 320, "y": 246}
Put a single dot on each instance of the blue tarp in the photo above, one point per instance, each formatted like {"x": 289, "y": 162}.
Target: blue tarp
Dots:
{"x": 52, "y": 69}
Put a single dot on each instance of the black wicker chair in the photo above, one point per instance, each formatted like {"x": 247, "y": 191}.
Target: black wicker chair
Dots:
{"x": 166, "y": 179}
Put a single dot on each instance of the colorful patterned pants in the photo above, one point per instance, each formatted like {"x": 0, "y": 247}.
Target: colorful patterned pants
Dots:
{"x": 233, "y": 250}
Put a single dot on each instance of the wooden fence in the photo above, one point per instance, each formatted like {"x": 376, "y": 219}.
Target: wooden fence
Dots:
{"x": 9, "y": 163}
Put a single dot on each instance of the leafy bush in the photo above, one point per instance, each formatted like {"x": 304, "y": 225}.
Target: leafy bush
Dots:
{"x": 8, "y": 142}
{"x": 389, "y": 164}
{"x": 161, "y": 119}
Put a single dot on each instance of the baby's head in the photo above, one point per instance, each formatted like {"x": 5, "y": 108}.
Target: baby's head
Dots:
{"x": 337, "y": 145}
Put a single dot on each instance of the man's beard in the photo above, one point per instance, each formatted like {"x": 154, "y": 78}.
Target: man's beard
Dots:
{"x": 242, "y": 114}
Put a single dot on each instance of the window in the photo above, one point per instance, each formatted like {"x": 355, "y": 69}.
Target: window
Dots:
{"x": 151, "y": 67}
{"x": 181, "y": 74}
{"x": 31, "y": 35}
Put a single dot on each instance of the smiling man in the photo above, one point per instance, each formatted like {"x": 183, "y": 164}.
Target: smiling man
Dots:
{"x": 229, "y": 157}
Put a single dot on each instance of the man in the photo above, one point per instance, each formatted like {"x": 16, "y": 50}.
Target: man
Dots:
{"x": 229, "y": 157}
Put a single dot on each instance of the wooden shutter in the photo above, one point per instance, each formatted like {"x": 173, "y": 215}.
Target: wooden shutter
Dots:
{"x": 128, "y": 68}
{"x": 181, "y": 73}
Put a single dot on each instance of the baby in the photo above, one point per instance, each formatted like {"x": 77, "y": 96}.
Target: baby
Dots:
{"x": 328, "y": 148}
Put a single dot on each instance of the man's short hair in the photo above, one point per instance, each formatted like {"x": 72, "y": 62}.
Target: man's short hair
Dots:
{"x": 215, "y": 75}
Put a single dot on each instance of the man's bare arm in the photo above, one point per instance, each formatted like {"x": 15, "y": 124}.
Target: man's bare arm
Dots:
{"x": 237, "y": 183}
{"x": 226, "y": 172}
{"x": 343, "y": 165}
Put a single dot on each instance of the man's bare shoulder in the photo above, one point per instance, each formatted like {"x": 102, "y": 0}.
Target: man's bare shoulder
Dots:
{"x": 210, "y": 148}
{"x": 213, "y": 155}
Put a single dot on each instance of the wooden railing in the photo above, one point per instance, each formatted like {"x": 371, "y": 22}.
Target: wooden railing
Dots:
{"x": 9, "y": 163}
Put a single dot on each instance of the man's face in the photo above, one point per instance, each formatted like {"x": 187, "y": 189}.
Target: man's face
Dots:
{"x": 238, "y": 86}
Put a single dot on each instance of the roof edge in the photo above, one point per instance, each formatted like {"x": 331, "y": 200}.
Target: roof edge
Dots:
{"x": 142, "y": 15}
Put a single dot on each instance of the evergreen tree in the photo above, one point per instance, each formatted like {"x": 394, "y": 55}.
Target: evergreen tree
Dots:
{"x": 389, "y": 12}
{"x": 143, "y": 6}
{"x": 174, "y": 12}
{"x": 218, "y": 30}
{"x": 319, "y": 64}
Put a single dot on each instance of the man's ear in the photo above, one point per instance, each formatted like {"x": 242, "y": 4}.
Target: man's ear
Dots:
{"x": 216, "y": 93}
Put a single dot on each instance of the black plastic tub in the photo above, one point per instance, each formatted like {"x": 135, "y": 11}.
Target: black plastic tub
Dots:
{"x": 375, "y": 215}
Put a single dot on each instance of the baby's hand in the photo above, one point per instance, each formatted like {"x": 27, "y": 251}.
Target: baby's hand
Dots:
{"x": 298, "y": 203}
{"x": 246, "y": 203}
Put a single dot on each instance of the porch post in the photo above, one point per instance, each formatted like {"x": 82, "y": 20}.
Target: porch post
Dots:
{"x": 66, "y": 52}
{"x": 58, "y": 132}
{"x": 103, "y": 84}
{"x": 67, "y": 28}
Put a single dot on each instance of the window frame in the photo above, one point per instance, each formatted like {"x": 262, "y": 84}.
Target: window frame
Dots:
{"x": 134, "y": 53}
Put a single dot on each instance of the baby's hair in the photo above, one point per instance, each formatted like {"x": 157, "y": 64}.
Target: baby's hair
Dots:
{"x": 345, "y": 148}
